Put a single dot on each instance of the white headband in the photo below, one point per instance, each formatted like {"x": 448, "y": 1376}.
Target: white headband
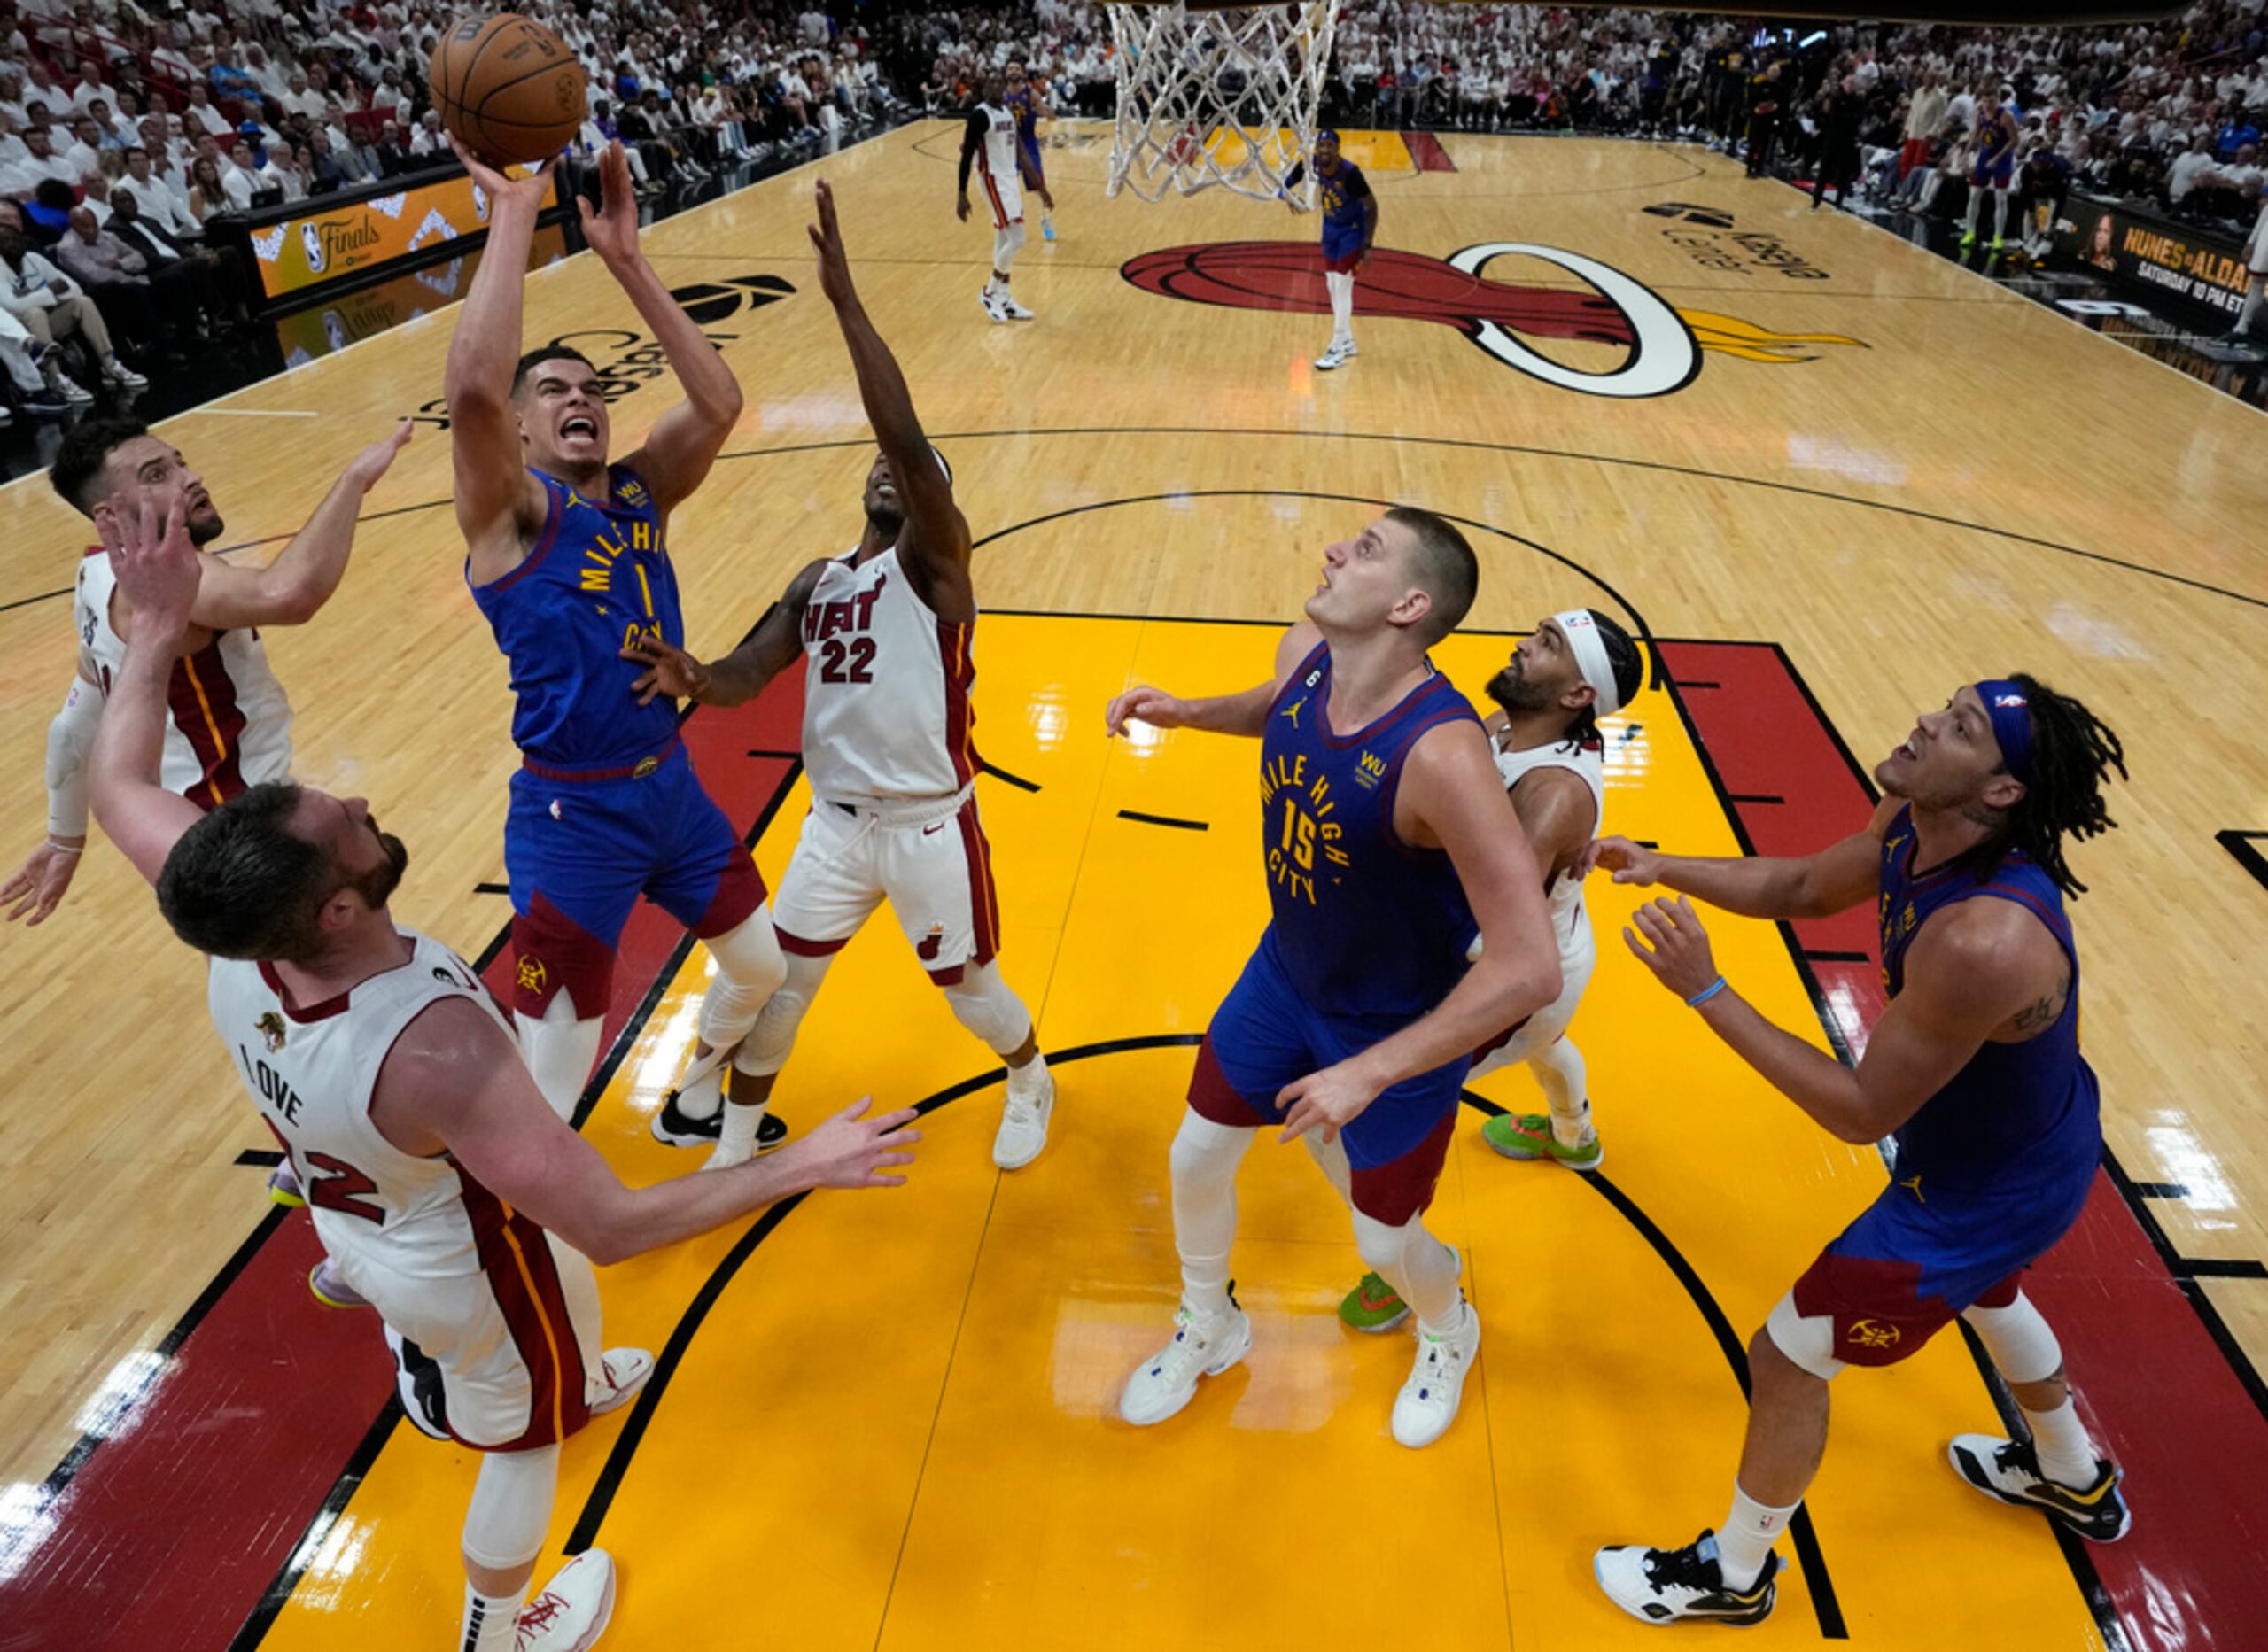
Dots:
{"x": 1590, "y": 658}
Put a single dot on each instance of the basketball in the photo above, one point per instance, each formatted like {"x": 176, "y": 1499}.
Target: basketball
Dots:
{"x": 507, "y": 88}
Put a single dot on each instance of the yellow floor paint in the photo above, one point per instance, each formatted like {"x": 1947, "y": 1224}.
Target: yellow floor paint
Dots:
{"x": 897, "y": 1429}
{"x": 1372, "y": 152}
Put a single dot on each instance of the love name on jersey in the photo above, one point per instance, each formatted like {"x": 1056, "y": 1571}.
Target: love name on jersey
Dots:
{"x": 1307, "y": 825}
{"x": 838, "y": 630}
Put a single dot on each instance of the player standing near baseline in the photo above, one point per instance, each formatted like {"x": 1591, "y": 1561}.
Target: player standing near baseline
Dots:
{"x": 1383, "y": 846}
{"x": 1574, "y": 667}
{"x": 1974, "y": 1070}
{"x": 567, "y": 557}
{"x": 445, "y": 1189}
{"x": 1351, "y": 224}
{"x": 989, "y": 141}
{"x": 886, "y": 632}
{"x": 1999, "y": 124}
{"x": 1025, "y": 100}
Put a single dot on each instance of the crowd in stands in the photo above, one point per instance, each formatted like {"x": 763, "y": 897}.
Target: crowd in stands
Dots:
{"x": 127, "y": 126}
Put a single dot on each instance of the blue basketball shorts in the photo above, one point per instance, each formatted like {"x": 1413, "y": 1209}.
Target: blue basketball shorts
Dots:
{"x": 1265, "y": 1036}
{"x": 580, "y": 852}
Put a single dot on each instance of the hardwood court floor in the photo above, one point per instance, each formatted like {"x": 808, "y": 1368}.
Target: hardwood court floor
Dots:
{"x": 898, "y": 1403}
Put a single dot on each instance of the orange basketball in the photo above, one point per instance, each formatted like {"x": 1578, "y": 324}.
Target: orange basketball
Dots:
{"x": 507, "y": 88}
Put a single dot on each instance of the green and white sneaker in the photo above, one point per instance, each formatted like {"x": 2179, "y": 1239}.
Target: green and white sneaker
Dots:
{"x": 1528, "y": 1135}
{"x": 1372, "y": 1307}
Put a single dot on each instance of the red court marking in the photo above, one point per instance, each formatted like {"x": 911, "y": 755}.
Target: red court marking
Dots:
{"x": 1427, "y": 151}
{"x": 171, "y": 1528}
{"x": 2156, "y": 1387}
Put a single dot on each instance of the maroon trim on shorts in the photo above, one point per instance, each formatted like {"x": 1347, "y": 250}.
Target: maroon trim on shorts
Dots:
{"x": 801, "y": 948}
{"x": 1212, "y": 1097}
{"x": 1343, "y": 265}
{"x": 551, "y": 951}
{"x": 1879, "y": 1314}
{"x": 740, "y": 891}
{"x": 984, "y": 897}
{"x": 1393, "y": 1193}
{"x": 516, "y": 1254}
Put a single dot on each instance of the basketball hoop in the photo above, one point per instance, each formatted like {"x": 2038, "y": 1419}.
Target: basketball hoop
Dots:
{"x": 1216, "y": 96}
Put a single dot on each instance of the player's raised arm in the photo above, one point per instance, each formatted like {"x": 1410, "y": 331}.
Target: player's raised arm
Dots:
{"x": 157, "y": 566}
{"x": 499, "y": 505}
{"x": 685, "y": 440}
{"x": 1451, "y": 798}
{"x": 291, "y": 589}
{"x": 1244, "y": 713}
{"x": 1837, "y": 878}
{"x": 933, "y": 545}
{"x": 454, "y": 1083}
{"x": 775, "y": 644}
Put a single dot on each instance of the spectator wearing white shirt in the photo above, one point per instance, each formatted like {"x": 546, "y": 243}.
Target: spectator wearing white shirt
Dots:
{"x": 2190, "y": 169}
{"x": 94, "y": 191}
{"x": 429, "y": 139}
{"x": 85, "y": 152}
{"x": 241, "y": 179}
{"x": 203, "y": 116}
{"x": 22, "y": 177}
{"x": 52, "y": 308}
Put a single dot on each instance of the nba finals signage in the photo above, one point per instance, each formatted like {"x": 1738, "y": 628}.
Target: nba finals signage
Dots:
{"x": 1664, "y": 344}
{"x": 327, "y": 240}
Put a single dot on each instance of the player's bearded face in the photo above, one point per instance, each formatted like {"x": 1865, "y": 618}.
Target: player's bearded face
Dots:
{"x": 378, "y": 876}
{"x": 1518, "y": 689}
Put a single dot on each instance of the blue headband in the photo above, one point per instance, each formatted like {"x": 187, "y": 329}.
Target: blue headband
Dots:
{"x": 2006, "y": 704}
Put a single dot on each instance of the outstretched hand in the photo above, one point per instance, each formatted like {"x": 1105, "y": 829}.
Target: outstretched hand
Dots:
{"x": 827, "y": 238}
{"x": 373, "y": 461}
{"x": 853, "y": 1150}
{"x": 40, "y": 885}
{"x": 1143, "y": 704}
{"x": 500, "y": 187}
{"x": 612, "y": 227}
{"x": 1679, "y": 954}
{"x": 1629, "y": 861}
{"x": 156, "y": 567}
{"x": 670, "y": 670}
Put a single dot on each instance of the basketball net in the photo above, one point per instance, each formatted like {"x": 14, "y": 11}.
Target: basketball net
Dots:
{"x": 1218, "y": 97}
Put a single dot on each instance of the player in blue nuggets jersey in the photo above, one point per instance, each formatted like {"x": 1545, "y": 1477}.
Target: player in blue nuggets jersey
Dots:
{"x": 1350, "y": 223}
{"x": 569, "y": 559}
{"x": 1026, "y": 99}
{"x": 1999, "y": 125}
{"x": 1388, "y": 843}
{"x": 1974, "y": 1071}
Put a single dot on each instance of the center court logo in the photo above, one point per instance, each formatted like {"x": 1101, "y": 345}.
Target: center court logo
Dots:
{"x": 1665, "y": 344}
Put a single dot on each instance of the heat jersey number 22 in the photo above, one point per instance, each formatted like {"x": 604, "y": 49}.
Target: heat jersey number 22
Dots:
{"x": 851, "y": 663}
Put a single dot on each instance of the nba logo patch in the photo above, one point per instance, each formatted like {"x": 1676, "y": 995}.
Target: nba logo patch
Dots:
{"x": 2009, "y": 703}
{"x": 270, "y": 1027}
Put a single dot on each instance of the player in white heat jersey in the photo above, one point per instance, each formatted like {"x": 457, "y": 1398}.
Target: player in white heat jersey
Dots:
{"x": 228, "y": 725}
{"x": 455, "y": 1199}
{"x": 885, "y": 633}
{"x": 1574, "y": 669}
{"x": 988, "y": 142}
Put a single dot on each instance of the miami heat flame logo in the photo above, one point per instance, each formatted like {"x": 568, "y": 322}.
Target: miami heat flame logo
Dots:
{"x": 1665, "y": 344}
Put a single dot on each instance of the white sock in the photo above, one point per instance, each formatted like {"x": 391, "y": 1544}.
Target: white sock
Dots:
{"x": 491, "y": 1621}
{"x": 1559, "y": 1070}
{"x": 1976, "y": 206}
{"x": 2067, "y": 1455}
{"x": 1026, "y": 1082}
{"x": 1744, "y": 1542}
{"x": 2000, "y": 215}
{"x": 1342, "y": 308}
{"x": 1429, "y": 1281}
{"x": 736, "y": 1133}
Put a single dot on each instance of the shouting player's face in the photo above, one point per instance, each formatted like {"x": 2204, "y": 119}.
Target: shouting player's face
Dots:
{"x": 1366, "y": 583}
{"x": 1952, "y": 760}
{"x": 563, "y": 418}
{"x": 150, "y": 471}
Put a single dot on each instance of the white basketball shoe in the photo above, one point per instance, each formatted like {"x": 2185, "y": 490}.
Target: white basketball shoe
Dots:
{"x": 1428, "y": 1401}
{"x": 574, "y": 1608}
{"x": 1203, "y": 1345}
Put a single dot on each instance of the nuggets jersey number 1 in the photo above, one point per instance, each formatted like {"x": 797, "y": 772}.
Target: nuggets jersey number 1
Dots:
{"x": 598, "y": 577}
